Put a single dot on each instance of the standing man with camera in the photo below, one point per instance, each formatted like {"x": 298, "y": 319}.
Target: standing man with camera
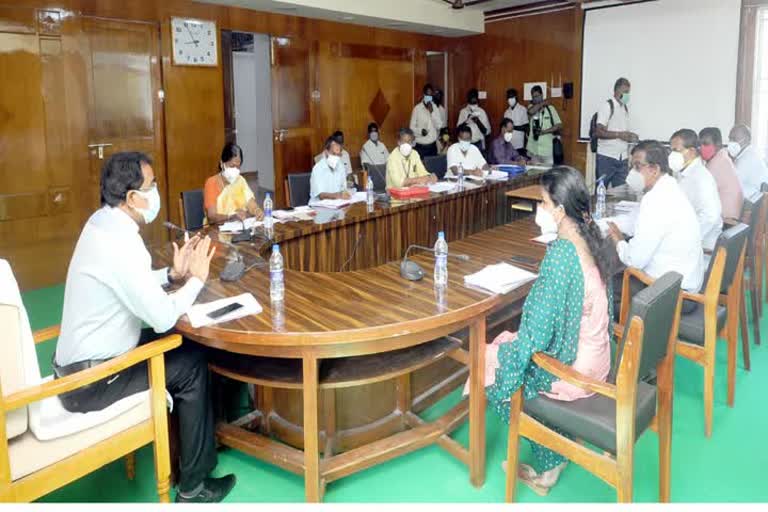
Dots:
{"x": 545, "y": 123}
{"x": 613, "y": 136}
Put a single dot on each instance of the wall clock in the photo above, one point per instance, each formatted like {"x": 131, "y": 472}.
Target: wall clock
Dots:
{"x": 194, "y": 42}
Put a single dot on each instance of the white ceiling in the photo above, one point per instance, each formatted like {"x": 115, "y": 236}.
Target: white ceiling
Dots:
{"x": 425, "y": 16}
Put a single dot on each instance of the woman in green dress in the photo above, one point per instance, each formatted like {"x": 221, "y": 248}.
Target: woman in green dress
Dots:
{"x": 565, "y": 315}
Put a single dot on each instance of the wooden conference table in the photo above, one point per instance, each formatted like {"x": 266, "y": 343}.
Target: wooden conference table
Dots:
{"x": 344, "y": 364}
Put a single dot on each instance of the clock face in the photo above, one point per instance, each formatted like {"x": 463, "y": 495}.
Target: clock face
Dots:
{"x": 194, "y": 42}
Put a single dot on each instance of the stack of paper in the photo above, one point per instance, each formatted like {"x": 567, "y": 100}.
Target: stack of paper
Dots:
{"x": 442, "y": 186}
{"x": 198, "y": 314}
{"x": 625, "y": 222}
{"x": 500, "y": 278}
{"x": 626, "y": 206}
{"x": 498, "y": 176}
{"x": 236, "y": 226}
{"x": 359, "y": 197}
{"x": 333, "y": 204}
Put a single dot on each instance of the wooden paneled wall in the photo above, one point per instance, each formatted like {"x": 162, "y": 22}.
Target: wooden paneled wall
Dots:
{"x": 525, "y": 49}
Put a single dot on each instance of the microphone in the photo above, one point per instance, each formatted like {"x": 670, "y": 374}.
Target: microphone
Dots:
{"x": 412, "y": 271}
{"x": 233, "y": 270}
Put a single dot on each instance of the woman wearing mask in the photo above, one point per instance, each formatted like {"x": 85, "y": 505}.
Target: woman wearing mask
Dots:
{"x": 443, "y": 141}
{"x": 226, "y": 195}
{"x": 565, "y": 315}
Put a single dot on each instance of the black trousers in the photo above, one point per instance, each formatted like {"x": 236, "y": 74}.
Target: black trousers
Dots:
{"x": 188, "y": 382}
{"x": 425, "y": 150}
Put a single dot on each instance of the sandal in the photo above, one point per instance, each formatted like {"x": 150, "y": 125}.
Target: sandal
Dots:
{"x": 529, "y": 477}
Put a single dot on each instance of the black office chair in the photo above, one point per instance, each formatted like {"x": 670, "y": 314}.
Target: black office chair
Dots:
{"x": 378, "y": 174}
{"x": 299, "y": 188}
{"x": 437, "y": 165}
{"x": 192, "y": 212}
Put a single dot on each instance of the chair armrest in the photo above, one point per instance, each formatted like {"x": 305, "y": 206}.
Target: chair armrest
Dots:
{"x": 618, "y": 330}
{"x": 640, "y": 275}
{"x": 571, "y": 376}
{"x": 46, "y": 334}
{"x": 83, "y": 378}
{"x": 695, "y": 297}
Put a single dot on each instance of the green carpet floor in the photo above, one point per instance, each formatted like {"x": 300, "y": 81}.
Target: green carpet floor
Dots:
{"x": 726, "y": 467}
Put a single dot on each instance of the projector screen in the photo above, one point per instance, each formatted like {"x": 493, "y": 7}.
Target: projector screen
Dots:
{"x": 680, "y": 56}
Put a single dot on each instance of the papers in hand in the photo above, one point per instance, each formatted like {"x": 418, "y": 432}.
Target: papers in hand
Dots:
{"x": 198, "y": 314}
{"x": 235, "y": 226}
{"x": 500, "y": 278}
{"x": 625, "y": 222}
{"x": 442, "y": 186}
{"x": 626, "y": 206}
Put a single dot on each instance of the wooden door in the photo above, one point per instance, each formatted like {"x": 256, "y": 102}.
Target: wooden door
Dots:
{"x": 293, "y": 109}
{"x": 122, "y": 81}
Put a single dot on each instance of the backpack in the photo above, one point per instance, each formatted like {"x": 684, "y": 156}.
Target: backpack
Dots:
{"x": 593, "y": 129}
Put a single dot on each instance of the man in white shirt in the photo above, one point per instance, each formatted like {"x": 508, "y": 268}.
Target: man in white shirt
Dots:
{"x": 666, "y": 232}
{"x": 698, "y": 184}
{"x": 328, "y": 179}
{"x": 346, "y": 161}
{"x": 518, "y": 114}
{"x": 466, "y": 155}
{"x": 111, "y": 291}
{"x": 613, "y": 136}
{"x": 475, "y": 117}
{"x": 373, "y": 152}
{"x": 426, "y": 122}
{"x": 750, "y": 167}
{"x": 439, "y": 101}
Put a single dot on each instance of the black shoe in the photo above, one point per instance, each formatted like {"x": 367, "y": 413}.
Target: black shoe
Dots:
{"x": 214, "y": 490}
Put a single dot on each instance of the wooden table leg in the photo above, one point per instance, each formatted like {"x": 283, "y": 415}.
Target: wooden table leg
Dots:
{"x": 477, "y": 403}
{"x": 311, "y": 431}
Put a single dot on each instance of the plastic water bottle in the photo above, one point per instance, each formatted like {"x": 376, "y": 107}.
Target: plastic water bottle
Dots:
{"x": 369, "y": 192}
{"x": 268, "y": 221}
{"x": 441, "y": 260}
{"x": 276, "y": 282}
{"x": 600, "y": 207}
{"x": 460, "y": 176}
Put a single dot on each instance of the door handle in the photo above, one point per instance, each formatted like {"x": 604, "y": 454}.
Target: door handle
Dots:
{"x": 99, "y": 149}
{"x": 280, "y": 135}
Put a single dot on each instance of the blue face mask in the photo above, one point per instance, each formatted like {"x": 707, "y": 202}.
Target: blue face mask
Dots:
{"x": 464, "y": 145}
{"x": 153, "y": 204}
{"x": 427, "y": 99}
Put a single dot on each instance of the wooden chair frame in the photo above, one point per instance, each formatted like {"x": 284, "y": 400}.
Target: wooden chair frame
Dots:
{"x": 617, "y": 471}
{"x": 123, "y": 444}
{"x": 754, "y": 262}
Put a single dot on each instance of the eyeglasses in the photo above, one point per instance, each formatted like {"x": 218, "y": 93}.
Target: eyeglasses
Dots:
{"x": 639, "y": 165}
{"x": 152, "y": 187}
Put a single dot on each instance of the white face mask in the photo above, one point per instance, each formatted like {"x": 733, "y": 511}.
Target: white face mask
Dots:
{"x": 464, "y": 145}
{"x": 512, "y": 102}
{"x": 230, "y": 174}
{"x": 635, "y": 181}
{"x": 333, "y": 160}
{"x": 676, "y": 161}
{"x": 405, "y": 149}
{"x": 374, "y": 136}
{"x": 153, "y": 204}
{"x": 508, "y": 136}
{"x": 546, "y": 221}
{"x": 734, "y": 148}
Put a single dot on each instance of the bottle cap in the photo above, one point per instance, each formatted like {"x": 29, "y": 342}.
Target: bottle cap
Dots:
{"x": 441, "y": 234}
{"x": 268, "y": 196}
{"x": 276, "y": 248}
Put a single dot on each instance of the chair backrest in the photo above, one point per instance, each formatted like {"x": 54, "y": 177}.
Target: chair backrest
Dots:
{"x": 378, "y": 174}
{"x": 733, "y": 240}
{"x": 193, "y": 211}
{"x": 656, "y": 306}
{"x": 755, "y": 204}
{"x": 299, "y": 188}
{"x": 437, "y": 165}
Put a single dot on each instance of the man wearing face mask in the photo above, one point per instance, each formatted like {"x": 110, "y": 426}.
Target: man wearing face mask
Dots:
{"x": 722, "y": 169}
{"x": 698, "y": 185}
{"x": 518, "y": 114}
{"x": 475, "y": 117}
{"x": 613, "y": 136}
{"x": 227, "y": 196}
{"x": 466, "y": 155}
{"x": 667, "y": 235}
{"x": 374, "y": 152}
{"x": 111, "y": 291}
{"x": 503, "y": 149}
{"x": 750, "y": 168}
{"x": 439, "y": 101}
{"x": 426, "y": 122}
{"x": 404, "y": 166}
{"x": 329, "y": 179}
{"x": 544, "y": 124}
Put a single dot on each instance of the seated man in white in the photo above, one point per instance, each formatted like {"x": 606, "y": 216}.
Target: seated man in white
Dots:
{"x": 750, "y": 166}
{"x": 465, "y": 154}
{"x": 667, "y": 235}
{"x": 698, "y": 184}
{"x": 111, "y": 291}
{"x": 374, "y": 152}
{"x": 346, "y": 161}
{"x": 328, "y": 180}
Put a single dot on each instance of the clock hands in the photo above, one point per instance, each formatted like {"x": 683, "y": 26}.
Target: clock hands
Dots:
{"x": 194, "y": 41}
